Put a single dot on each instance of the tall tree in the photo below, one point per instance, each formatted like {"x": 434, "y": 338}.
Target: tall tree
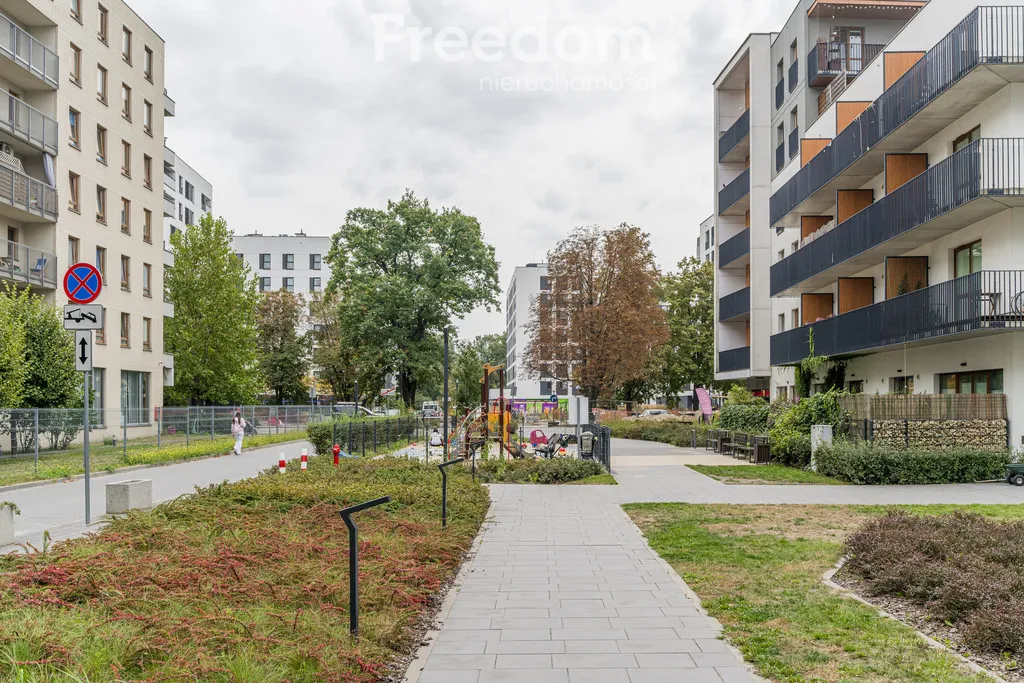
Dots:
{"x": 284, "y": 353}
{"x": 13, "y": 370}
{"x": 402, "y": 274}
{"x": 52, "y": 380}
{"x": 213, "y": 333}
{"x": 601, "y": 321}
{"x": 690, "y": 355}
{"x": 467, "y": 368}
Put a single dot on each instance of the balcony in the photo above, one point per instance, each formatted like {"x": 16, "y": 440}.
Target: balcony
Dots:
{"x": 986, "y": 302}
{"x": 974, "y": 60}
{"x": 794, "y": 142}
{"x": 169, "y": 105}
{"x": 978, "y": 181}
{"x": 29, "y": 63}
{"x": 734, "y": 359}
{"x": 780, "y": 157}
{"x": 826, "y": 60}
{"x": 168, "y": 309}
{"x": 794, "y": 74}
{"x": 27, "y": 124}
{"x": 170, "y": 206}
{"x": 734, "y": 144}
{"x": 27, "y": 265}
{"x": 735, "y": 306}
{"x": 734, "y": 198}
{"x": 780, "y": 93}
{"x": 734, "y": 248}
{"x": 29, "y": 199}
{"x": 168, "y": 365}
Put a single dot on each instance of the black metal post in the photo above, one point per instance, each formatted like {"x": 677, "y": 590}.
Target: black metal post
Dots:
{"x": 375, "y": 437}
{"x": 444, "y": 432}
{"x": 444, "y": 489}
{"x": 334, "y": 433}
{"x": 353, "y": 560}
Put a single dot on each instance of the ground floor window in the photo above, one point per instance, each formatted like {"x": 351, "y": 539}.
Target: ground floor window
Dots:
{"x": 855, "y": 386}
{"x": 978, "y": 382}
{"x": 135, "y": 397}
{"x": 901, "y": 385}
{"x": 96, "y": 406}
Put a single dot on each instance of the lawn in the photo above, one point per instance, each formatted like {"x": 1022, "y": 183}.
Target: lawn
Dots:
{"x": 763, "y": 474}
{"x": 243, "y": 582}
{"x": 597, "y": 479}
{"x": 758, "y": 570}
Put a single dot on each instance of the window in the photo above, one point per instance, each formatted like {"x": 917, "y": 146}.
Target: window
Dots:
{"x": 795, "y": 245}
{"x": 101, "y": 29}
{"x": 101, "y": 334}
{"x": 288, "y": 261}
{"x": 72, "y": 251}
{"x": 314, "y": 284}
{"x": 147, "y": 117}
{"x": 126, "y": 273}
{"x": 545, "y": 283}
{"x": 76, "y": 10}
{"x": 134, "y": 397}
{"x": 190, "y": 192}
{"x": 901, "y": 385}
{"x": 854, "y": 386}
{"x": 73, "y": 183}
{"x": 101, "y": 144}
{"x": 101, "y": 204}
{"x": 315, "y": 261}
{"x": 126, "y": 44}
{"x": 264, "y": 284}
{"x": 147, "y": 226}
{"x": 126, "y": 216}
{"x": 264, "y": 261}
{"x": 782, "y": 255}
{"x": 101, "y": 262}
{"x": 782, "y": 323}
{"x": 207, "y": 204}
{"x": 189, "y": 217}
{"x": 147, "y": 65}
{"x": 74, "y": 132}
{"x": 97, "y": 393}
{"x": 795, "y": 318}
{"x": 147, "y": 329}
{"x": 76, "y": 64}
{"x": 545, "y": 388}
{"x": 794, "y": 119}
{"x": 980, "y": 382}
{"x": 707, "y": 239}
{"x": 288, "y": 284}
{"x": 967, "y": 138}
{"x": 147, "y": 171}
{"x": 967, "y": 259}
{"x": 181, "y": 211}
{"x": 101, "y": 84}
{"x": 126, "y": 102}
{"x": 126, "y": 159}
{"x": 147, "y": 280}
{"x": 793, "y": 54}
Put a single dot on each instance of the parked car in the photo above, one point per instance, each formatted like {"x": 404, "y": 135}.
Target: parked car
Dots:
{"x": 654, "y": 413}
{"x": 430, "y": 409}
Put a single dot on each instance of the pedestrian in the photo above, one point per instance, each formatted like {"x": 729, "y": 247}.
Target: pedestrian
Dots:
{"x": 238, "y": 431}
{"x": 435, "y": 439}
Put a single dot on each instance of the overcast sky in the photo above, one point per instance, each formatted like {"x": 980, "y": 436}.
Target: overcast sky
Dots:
{"x": 535, "y": 116}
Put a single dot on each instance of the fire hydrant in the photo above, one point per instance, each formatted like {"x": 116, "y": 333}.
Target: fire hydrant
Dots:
{"x": 337, "y": 452}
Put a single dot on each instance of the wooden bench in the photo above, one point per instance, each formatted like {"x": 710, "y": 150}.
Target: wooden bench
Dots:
{"x": 724, "y": 442}
{"x": 742, "y": 446}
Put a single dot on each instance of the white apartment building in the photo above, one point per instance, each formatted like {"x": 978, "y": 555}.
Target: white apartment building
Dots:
{"x": 907, "y": 207}
{"x": 706, "y": 240}
{"x": 83, "y": 189}
{"x": 187, "y": 195}
{"x": 528, "y": 284}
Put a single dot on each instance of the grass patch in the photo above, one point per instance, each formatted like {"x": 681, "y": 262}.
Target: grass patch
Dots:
{"x": 242, "y": 582}
{"x": 757, "y": 568}
{"x": 760, "y": 474}
{"x": 530, "y": 471}
{"x": 603, "y": 479}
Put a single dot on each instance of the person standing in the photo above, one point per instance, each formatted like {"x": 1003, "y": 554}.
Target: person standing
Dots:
{"x": 238, "y": 431}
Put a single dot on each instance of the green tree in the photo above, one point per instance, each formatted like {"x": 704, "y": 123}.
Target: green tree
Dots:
{"x": 467, "y": 368}
{"x": 284, "y": 353}
{"x": 690, "y": 299}
{"x": 52, "y": 379}
{"x": 213, "y": 333}
{"x": 402, "y": 274}
{"x": 13, "y": 369}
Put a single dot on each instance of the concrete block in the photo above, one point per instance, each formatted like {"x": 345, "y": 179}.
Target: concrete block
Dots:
{"x": 6, "y": 525}
{"x": 133, "y": 494}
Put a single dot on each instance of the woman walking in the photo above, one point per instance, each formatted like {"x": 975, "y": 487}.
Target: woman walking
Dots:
{"x": 238, "y": 431}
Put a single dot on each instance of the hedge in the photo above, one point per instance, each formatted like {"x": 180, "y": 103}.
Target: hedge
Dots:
{"x": 202, "y": 449}
{"x": 790, "y": 431}
{"x": 861, "y": 463}
{"x": 748, "y": 419}
{"x": 556, "y": 471}
{"x": 662, "y": 431}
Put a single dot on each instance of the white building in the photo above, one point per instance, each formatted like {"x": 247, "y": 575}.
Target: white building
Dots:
{"x": 297, "y": 263}
{"x": 904, "y": 217}
{"x": 706, "y": 240}
{"x": 84, "y": 189}
{"x": 528, "y": 283}
{"x": 187, "y": 195}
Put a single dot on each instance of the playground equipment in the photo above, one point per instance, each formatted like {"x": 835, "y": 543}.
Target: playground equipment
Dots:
{"x": 492, "y": 421}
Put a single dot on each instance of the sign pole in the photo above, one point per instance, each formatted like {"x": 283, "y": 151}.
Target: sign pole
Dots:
{"x": 85, "y": 449}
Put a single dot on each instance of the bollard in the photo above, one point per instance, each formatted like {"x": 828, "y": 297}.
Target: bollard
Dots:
{"x": 337, "y": 453}
{"x": 444, "y": 489}
{"x": 281, "y": 467}
{"x": 305, "y": 460}
{"x": 353, "y": 560}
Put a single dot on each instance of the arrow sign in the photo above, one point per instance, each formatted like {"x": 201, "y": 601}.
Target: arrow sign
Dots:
{"x": 83, "y": 351}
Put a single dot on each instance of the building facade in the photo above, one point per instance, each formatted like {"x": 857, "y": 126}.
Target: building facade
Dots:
{"x": 187, "y": 195}
{"x": 529, "y": 283}
{"x": 84, "y": 189}
{"x": 706, "y": 240}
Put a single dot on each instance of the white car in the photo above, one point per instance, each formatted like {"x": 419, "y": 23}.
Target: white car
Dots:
{"x": 652, "y": 413}
{"x": 430, "y": 409}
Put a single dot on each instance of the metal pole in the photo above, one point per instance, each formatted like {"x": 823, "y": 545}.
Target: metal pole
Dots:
{"x": 445, "y": 408}
{"x": 444, "y": 489}
{"x": 124, "y": 435}
{"x": 353, "y": 560}
{"x": 159, "y": 425}
{"x": 188, "y": 425}
{"x": 375, "y": 437}
{"x": 362, "y": 438}
{"x": 334, "y": 433}
{"x": 37, "y": 438}
{"x": 85, "y": 443}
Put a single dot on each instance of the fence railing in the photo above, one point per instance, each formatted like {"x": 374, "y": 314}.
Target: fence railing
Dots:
{"x": 27, "y": 123}
{"x": 828, "y": 59}
{"x": 602, "y": 444}
{"x": 794, "y": 142}
{"x": 780, "y": 93}
{"x": 794, "y": 74}
{"x": 734, "y": 305}
{"x": 925, "y": 406}
{"x": 780, "y": 156}
{"x": 734, "y": 359}
{"x": 736, "y": 133}
{"x": 26, "y": 193}
{"x": 734, "y": 191}
{"x": 29, "y": 53}
{"x": 733, "y": 248}
{"x": 22, "y": 263}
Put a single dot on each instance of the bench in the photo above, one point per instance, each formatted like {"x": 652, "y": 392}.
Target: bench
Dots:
{"x": 724, "y": 441}
{"x": 742, "y": 446}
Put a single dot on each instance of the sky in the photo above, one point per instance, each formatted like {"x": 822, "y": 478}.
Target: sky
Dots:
{"x": 535, "y": 116}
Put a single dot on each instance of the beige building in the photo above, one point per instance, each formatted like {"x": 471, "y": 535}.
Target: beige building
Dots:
{"x": 81, "y": 153}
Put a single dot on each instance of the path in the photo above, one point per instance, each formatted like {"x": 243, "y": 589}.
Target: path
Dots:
{"x": 60, "y": 507}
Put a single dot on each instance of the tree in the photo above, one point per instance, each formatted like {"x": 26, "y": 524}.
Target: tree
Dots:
{"x": 213, "y": 333}
{"x": 284, "y": 353}
{"x": 401, "y": 275}
{"x": 52, "y": 379}
{"x": 690, "y": 299}
{"x": 467, "y": 368}
{"x": 13, "y": 369}
{"x": 601, "y": 322}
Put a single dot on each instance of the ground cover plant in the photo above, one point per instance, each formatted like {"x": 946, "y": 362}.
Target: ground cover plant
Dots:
{"x": 242, "y": 582}
{"x": 762, "y": 474}
{"x": 863, "y": 463}
{"x": 758, "y": 569}
{"x": 528, "y": 471}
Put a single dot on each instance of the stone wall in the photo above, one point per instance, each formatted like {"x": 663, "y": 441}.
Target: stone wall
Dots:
{"x": 941, "y": 434}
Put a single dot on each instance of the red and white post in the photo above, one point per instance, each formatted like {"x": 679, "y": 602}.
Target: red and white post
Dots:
{"x": 305, "y": 459}
{"x": 281, "y": 467}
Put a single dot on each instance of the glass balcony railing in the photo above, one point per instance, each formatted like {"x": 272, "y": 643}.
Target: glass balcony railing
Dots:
{"x": 734, "y": 248}
{"x": 736, "y": 134}
{"x": 28, "y": 265}
{"x": 734, "y": 359}
{"x": 28, "y": 194}
{"x": 27, "y": 123}
{"x": 735, "y": 305}
{"x": 27, "y": 52}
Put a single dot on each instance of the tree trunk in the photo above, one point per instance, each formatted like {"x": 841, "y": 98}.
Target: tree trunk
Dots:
{"x": 407, "y": 388}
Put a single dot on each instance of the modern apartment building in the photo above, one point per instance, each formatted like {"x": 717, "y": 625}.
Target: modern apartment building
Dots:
{"x": 83, "y": 190}
{"x": 187, "y": 195}
{"x": 906, "y": 207}
{"x": 529, "y": 283}
{"x": 706, "y": 240}
{"x": 297, "y": 263}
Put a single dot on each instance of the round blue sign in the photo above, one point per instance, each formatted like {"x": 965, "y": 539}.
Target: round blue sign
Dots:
{"x": 554, "y": 398}
{"x": 82, "y": 283}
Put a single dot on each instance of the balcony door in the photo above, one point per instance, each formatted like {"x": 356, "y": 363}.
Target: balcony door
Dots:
{"x": 846, "y": 49}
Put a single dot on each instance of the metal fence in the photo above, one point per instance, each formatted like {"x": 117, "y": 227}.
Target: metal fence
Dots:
{"x": 359, "y": 437}
{"x": 602, "y": 444}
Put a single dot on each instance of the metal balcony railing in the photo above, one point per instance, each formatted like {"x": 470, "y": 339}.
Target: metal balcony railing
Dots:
{"x": 733, "y": 248}
{"x": 794, "y": 74}
{"x": 988, "y": 35}
{"x": 780, "y": 156}
{"x": 794, "y": 142}
{"x": 27, "y": 52}
{"x": 991, "y": 166}
{"x": 28, "y": 194}
{"x": 826, "y": 60}
{"x": 986, "y": 300}
{"x": 734, "y": 359}
{"x": 734, "y": 305}
{"x": 27, "y": 123}
{"x": 780, "y": 93}
{"x": 736, "y": 133}
{"x": 734, "y": 191}
{"x": 29, "y": 265}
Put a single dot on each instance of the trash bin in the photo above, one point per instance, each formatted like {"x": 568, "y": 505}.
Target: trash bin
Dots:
{"x": 587, "y": 445}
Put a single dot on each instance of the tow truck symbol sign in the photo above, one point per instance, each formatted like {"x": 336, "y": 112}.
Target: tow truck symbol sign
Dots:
{"x": 87, "y": 317}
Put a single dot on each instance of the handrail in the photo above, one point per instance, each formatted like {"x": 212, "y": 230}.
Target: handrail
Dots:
{"x": 17, "y": 44}
{"x": 24, "y": 121}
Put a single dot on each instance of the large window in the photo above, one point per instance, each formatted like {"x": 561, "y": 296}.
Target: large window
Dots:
{"x": 74, "y": 131}
{"x": 126, "y": 216}
{"x": 101, "y": 144}
{"x": 147, "y": 331}
{"x": 73, "y": 185}
{"x": 264, "y": 284}
{"x": 967, "y": 259}
{"x": 967, "y": 138}
{"x": 147, "y": 171}
{"x": 76, "y": 64}
{"x": 126, "y": 273}
{"x": 134, "y": 397}
{"x": 126, "y": 44}
{"x": 126, "y": 159}
{"x": 314, "y": 261}
{"x": 126, "y": 331}
{"x": 901, "y": 385}
{"x": 288, "y": 261}
{"x": 288, "y": 284}
{"x": 979, "y": 382}
{"x": 147, "y": 280}
{"x": 101, "y": 204}
{"x": 147, "y": 226}
{"x": 314, "y": 284}
{"x": 264, "y": 261}
{"x": 147, "y": 65}
{"x": 101, "y": 84}
{"x": 126, "y": 101}
{"x": 101, "y": 29}
{"x": 147, "y": 117}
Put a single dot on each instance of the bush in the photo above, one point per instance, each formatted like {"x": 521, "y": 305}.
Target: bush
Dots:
{"x": 555, "y": 471}
{"x": 791, "y": 431}
{"x": 741, "y": 396}
{"x": 674, "y": 433}
{"x": 321, "y": 434}
{"x": 862, "y": 463}
{"x": 751, "y": 418}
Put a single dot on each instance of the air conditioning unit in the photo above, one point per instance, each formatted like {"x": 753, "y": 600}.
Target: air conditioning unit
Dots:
{"x": 5, "y": 148}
